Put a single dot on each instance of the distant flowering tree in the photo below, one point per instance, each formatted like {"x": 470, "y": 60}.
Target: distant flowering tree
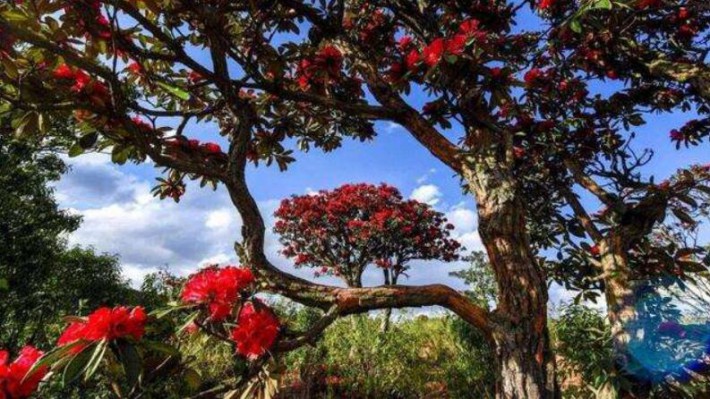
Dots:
{"x": 341, "y": 232}
{"x": 515, "y": 114}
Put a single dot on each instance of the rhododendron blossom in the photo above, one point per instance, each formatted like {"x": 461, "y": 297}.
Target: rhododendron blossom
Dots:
{"x": 217, "y": 288}
{"x": 15, "y": 383}
{"x": 256, "y": 330}
{"x": 106, "y": 323}
{"x": 433, "y": 52}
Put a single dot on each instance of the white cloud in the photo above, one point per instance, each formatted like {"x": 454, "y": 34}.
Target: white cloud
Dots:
{"x": 423, "y": 178}
{"x": 391, "y": 127}
{"x": 220, "y": 219}
{"x": 463, "y": 218}
{"x": 428, "y": 193}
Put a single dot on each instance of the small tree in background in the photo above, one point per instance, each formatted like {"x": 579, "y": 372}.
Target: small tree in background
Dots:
{"x": 341, "y": 232}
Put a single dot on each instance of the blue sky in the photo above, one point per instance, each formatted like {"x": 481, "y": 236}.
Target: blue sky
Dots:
{"x": 121, "y": 216}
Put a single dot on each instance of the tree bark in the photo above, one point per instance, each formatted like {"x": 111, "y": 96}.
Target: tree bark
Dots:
{"x": 525, "y": 363}
{"x": 619, "y": 295}
{"x": 619, "y": 291}
{"x": 388, "y": 312}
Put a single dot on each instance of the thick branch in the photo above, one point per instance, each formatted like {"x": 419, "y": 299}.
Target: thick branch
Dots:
{"x": 589, "y": 184}
{"x": 584, "y": 219}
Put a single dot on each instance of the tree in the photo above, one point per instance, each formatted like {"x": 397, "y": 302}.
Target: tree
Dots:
{"x": 301, "y": 70}
{"x": 341, "y": 232}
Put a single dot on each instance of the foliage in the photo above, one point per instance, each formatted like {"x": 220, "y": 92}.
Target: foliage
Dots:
{"x": 42, "y": 279}
{"x": 341, "y": 232}
{"x": 584, "y": 349}
{"x": 418, "y": 357}
{"x": 479, "y": 279}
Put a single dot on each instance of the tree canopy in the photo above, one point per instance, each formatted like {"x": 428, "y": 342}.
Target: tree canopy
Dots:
{"x": 518, "y": 115}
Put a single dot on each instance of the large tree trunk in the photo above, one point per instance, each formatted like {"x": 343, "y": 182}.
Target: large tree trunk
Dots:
{"x": 525, "y": 362}
{"x": 619, "y": 294}
{"x": 619, "y": 291}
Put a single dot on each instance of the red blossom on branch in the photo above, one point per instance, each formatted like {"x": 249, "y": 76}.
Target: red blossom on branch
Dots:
{"x": 15, "y": 383}
{"x": 107, "y": 323}
{"x": 217, "y": 289}
{"x": 256, "y": 330}
{"x": 433, "y": 52}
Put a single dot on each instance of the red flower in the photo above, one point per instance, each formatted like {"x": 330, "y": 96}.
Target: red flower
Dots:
{"x": 469, "y": 27}
{"x": 594, "y": 250}
{"x": 256, "y": 330}
{"x": 396, "y": 72}
{"x": 677, "y": 135}
{"x": 211, "y": 148}
{"x": 648, "y": 4}
{"x": 141, "y": 125}
{"x": 194, "y": 77}
{"x": 135, "y": 68}
{"x": 498, "y": 74}
{"x": 518, "y": 152}
{"x": 218, "y": 289}
{"x": 81, "y": 80}
{"x": 14, "y": 381}
{"x": 545, "y": 4}
{"x": 456, "y": 45}
{"x": 404, "y": 43}
{"x": 330, "y": 60}
{"x": 433, "y": 52}
{"x": 63, "y": 72}
{"x": 412, "y": 60}
{"x": 106, "y": 323}
{"x": 532, "y": 76}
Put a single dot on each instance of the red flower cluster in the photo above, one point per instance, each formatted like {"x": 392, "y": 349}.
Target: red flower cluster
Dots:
{"x": 135, "y": 68}
{"x": 323, "y": 69}
{"x": 687, "y": 26}
{"x": 194, "y": 77}
{"x": 642, "y": 4}
{"x": 14, "y": 381}
{"x": 533, "y": 76}
{"x": 545, "y": 4}
{"x": 194, "y": 146}
{"x": 217, "y": 288}
{"x": 106, "y": 323}
{"x": 436, "y": 50}
{"x": 88, "y": 18}
{"x": 82, "y": 84}
{"x": 256, "y": 330}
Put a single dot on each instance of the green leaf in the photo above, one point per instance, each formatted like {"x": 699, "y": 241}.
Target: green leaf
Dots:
{"x": 132, "y": 362}
{"x": 4, "y": 285}
{"x": 575, "y": 26}
{"x": 602, "y": 5}
{"x": 75, "y": 150}
{"x": 160, "y": 347}
{"x": 192, "y": 379}
{"x": 96, "y": 358}
{"x": 76, "y": 366}
{"x": 175, "y": 91}
{"x": 56, "y": 356}
{"x": 160, "y": 313}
